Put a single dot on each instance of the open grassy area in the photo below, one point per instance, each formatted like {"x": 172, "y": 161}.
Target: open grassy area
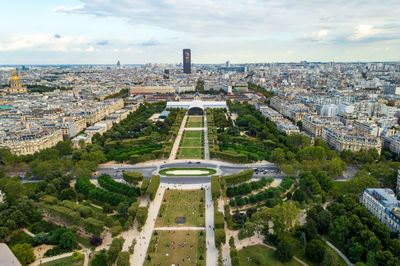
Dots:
{"x": 165, "y": 171}
{"x": 247, "y": 257}
{"x": 191, "y": 146}
{"x": 177, "y": 248}
{"x": 192, "y": 134}
{"x": 190, "y": 153}
{"x": 187, "y": 204}
{"x": 194, "y": 121}
{"x": 85, "y": 242}
{"x": 68, "y": 261}
{"x": 191, "y": 143}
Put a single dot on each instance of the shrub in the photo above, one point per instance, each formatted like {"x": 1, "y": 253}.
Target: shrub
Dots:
{"x": 215, "y": 187}
{"x": 116, "y": 230}
{"x": 132, "y": 177}
{"x": 220, "y": 237}
{"x": 153, "y": 187}
{"x": 241, "y": 177}
{"x": 110, "y": 184}
{"x": 219, "y": 220}
{"x": 315, "y": 250}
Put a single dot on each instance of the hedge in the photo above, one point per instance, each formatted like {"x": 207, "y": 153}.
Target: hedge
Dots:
{"x": 230, "y": 156}
{"x": 220, "y": 237}
{"x": 141, "y": 217}
{"x": 215, "y": 187}
{"x": 93, "y": 226}
{"x": 153, "y": 187}
{"x": 247, "y": 188}
{"x": 145, "y": 185}
{"x": 69, "y": 216}
{"x": 84, "y": 186}
{"x": 132, "y": 177}
{"x": 219, "y": 220}
{"x": 241, "y": 177}
{"x": 110, "y": 184}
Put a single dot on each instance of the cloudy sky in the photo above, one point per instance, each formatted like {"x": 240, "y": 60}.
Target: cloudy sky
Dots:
{"x": 143, "y": 31}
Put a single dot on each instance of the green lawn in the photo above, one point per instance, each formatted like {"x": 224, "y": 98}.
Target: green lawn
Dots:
{"x": 191, "y": 143}
{"x": 210, "y": 171}
{"x": 195, "y": 121}
{"x": 84, "y": 241}
{"x": 190, "y": 153}
{"x": 177, "y": 248}
{"x": 68, "y": 261}
{"x": 194, "y": 124}
{"x": 247, "y": 255}
{"x": 182, "y": 204}
{"x": 196, "y": 134}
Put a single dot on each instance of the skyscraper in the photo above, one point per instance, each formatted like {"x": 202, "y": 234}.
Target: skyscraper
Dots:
{"x": 187, "y": 61}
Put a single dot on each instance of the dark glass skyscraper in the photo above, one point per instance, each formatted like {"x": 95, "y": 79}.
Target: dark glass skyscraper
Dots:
{"x": 187, "y": 61}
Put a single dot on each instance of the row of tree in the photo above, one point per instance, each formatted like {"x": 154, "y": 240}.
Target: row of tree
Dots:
{"x": 110, "y": 184}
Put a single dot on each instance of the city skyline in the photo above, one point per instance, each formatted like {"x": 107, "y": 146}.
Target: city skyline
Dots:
{"x": 101, "y": 32}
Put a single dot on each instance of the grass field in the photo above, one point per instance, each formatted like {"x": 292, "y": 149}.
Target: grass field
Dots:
{"x": 177, "y": 248}
{"x": 182, "y": 203}
{"x": 194, "y": 121}
{"x": 192, "y": 134}
{"x": 68, "y": 261}
{"x": 191, "y": 146}
{"x": 165, "y": 171}
{"x": 248, "y": 254}
{"x": 190, "y": 153}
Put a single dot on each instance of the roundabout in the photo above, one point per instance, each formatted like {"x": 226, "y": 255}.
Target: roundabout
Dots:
{"x": 187, "y": 172}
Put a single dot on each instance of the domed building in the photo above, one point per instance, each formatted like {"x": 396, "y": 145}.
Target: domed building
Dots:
{"x": 15, "y": 86}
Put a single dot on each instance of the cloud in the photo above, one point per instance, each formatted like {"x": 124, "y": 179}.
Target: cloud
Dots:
{"x": 150, "y": 42}
{"x": 105, "y": 42}
{"x": 242, "y": 18}
{"x": 57, "y": 36}
{"x": 90, "y": 49}
{"x": 16, "y": 42}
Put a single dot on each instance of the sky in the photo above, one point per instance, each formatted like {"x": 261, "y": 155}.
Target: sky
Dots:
{"x": 156, "y": 31}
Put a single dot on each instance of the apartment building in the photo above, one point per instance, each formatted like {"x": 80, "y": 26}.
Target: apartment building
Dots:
{"x": 313, "y": 124}
{"x": 344, "y": 139}
{"x": 382, "y": 203}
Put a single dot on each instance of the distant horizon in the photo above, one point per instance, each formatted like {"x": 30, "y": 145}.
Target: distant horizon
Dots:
{"x": 202, "y": 64}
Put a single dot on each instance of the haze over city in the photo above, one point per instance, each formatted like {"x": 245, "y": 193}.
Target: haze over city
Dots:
{"x": 137, "y": 32}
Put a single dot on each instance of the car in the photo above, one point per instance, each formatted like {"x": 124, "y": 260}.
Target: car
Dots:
{"x": 197, "y": 162}
{"x": 189, "y": 162}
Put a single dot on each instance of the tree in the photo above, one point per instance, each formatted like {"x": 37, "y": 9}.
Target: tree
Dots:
{"x": 115, "y": 249}
{"x": 336, "y": 167}
{"x": 132, "y": 177}
{"x": 284, "y": 250}
{"x": 278, "y": 156}
{"x": 76, "y": 255}
{"x": 123, "y": 259}
{"x": 24, "y": 253}
{"x": 315, "y": 250}
{"x": 64, "y": 147}
{"x": 356, "y": 251}
{"x": 338, "y": 230}
{"x": 99, "y": 259}
{"x": 282, "y": 215}
{"x": 67, "y": 240}
{"x": 68, "y": 194}
{"x": 330, "y": 258}
{"x": 362, "y": 180}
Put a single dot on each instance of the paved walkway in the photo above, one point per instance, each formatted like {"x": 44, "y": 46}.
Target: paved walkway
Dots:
{"x": 348, "y": 262}
{"x": 29, "y": 233}
{"x": 178, "y": 228}
{"x": 143, "y": 237}
{"x": 39, "y": 262}
{"x": 212, "y": 252}
{"x": 226, "y": 256}
{"x": 175, "y": 147}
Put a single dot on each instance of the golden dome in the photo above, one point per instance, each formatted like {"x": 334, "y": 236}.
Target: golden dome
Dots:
{"x": 14, "y": 77}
